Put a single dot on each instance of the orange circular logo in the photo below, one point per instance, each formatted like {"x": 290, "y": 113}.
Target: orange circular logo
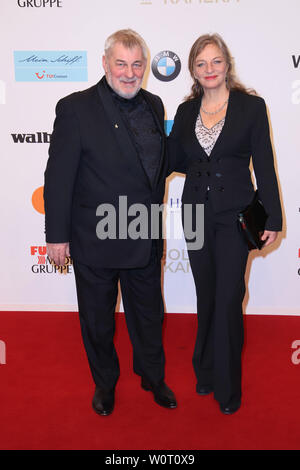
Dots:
{"x": 38, "y": 200}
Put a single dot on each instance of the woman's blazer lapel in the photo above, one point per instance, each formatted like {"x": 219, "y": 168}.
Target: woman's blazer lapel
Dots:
{"x": 194, "y": 148}
{"x": 232, "y": 118}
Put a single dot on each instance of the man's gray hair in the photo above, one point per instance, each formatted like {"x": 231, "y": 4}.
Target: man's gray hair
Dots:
{"x": 128, "y": 38}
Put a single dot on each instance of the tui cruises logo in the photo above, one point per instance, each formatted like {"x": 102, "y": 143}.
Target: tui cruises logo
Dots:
{"x": 166, "y": 66}
{"x": 50, "y": 66}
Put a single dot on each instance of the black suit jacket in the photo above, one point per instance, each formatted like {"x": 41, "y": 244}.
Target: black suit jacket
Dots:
{"x": 93, "y": 161}
{"x": 245, "y": 134}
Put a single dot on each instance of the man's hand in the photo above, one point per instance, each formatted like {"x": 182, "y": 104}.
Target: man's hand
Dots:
{"x": 269, "y": 236}
{"x": 58, "y": 252}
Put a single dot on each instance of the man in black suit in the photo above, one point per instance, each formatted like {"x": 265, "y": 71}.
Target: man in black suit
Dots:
{"x": 107, "y": 154}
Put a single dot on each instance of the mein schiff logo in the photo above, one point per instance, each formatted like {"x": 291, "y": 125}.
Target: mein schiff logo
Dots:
{"x": 50, "y": 66}
{"x": 166, "y": 66}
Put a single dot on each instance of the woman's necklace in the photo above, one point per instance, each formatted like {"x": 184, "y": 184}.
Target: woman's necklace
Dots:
{"x": 215, "y": 112}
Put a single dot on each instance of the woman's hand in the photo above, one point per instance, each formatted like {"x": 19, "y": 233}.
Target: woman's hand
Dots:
{"x": 269, "y": 237}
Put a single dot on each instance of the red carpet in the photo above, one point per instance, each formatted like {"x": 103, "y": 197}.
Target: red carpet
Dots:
{"x": 46, "y": 390}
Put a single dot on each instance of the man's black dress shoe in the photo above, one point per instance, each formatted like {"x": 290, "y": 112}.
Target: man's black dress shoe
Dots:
{"x": 204, "y": 389}
{"x": 162, "y": 394}
{"x": 230, "y": 409}
{"x": 103, "y": 401}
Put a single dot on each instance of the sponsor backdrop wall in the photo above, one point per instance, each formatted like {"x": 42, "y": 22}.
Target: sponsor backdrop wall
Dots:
{"x": 50, "y": 48}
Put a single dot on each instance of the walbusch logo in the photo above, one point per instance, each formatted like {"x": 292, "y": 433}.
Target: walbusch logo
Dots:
{"x": 36, "y": 138}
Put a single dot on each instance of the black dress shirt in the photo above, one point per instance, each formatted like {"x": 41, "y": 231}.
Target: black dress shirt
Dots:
{"x": 143, "y": 130}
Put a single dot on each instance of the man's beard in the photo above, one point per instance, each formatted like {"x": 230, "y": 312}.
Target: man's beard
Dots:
{"x": 121, "y": 93}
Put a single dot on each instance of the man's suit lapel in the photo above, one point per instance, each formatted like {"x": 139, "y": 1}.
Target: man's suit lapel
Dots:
{"x": 160, "y": 123}
{"x": 119, "y": 129}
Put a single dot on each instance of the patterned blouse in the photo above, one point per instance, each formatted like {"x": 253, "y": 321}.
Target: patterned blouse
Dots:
{"x": 208, "y": 137}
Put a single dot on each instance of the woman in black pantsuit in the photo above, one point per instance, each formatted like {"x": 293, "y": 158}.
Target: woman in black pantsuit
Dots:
{"x": 216, "y": 131}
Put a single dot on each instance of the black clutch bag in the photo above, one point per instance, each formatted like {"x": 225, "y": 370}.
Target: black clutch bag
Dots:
{"x": 252, "y": 222}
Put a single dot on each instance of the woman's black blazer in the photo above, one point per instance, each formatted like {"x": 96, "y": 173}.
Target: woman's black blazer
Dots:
{"x": 226, "y": 172}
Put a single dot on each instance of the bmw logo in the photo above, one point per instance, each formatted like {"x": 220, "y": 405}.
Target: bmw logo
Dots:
{"x": 166, "y": 66}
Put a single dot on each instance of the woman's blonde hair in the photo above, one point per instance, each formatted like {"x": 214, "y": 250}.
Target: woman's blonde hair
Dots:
{"x": 231, "y": 81}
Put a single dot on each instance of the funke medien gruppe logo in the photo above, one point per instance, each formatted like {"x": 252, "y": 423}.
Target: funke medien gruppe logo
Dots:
{"x": 39, "y": 3}
{"x": 50, "y": 66}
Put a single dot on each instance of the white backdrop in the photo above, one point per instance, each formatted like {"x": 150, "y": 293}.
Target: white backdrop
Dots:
{"x": 263, "y": 36}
